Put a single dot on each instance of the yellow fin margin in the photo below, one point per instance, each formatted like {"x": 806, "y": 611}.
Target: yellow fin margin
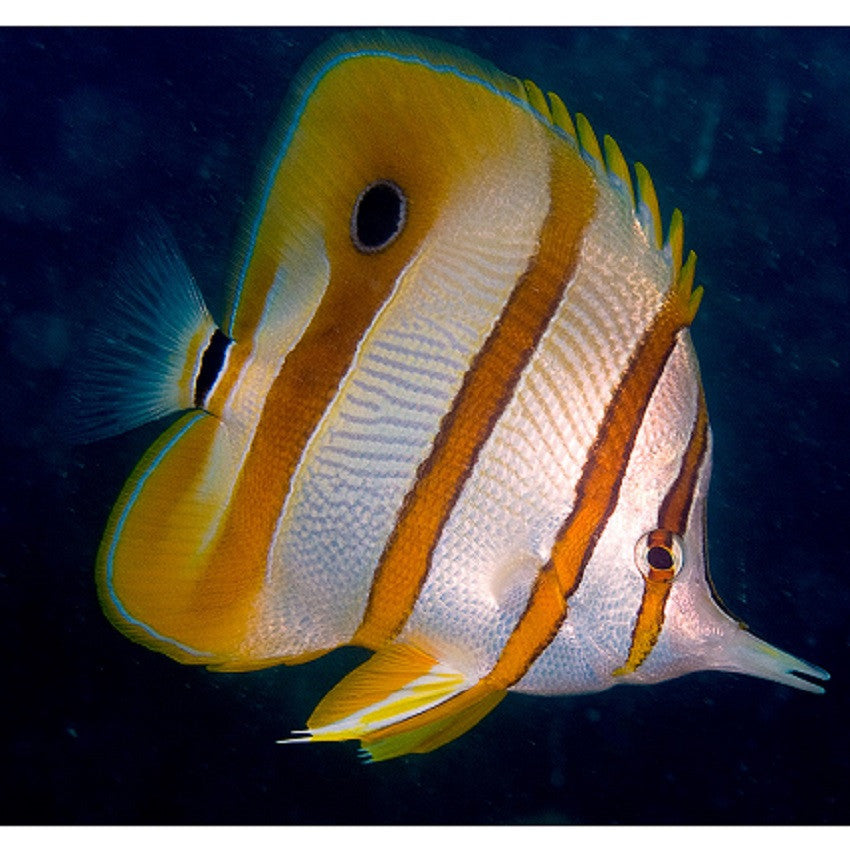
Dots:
{"x": 150, "y": 573}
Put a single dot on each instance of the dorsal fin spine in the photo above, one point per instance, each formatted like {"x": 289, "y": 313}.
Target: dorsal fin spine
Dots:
{"x": 641, "y": 194}
{"x": 617, "y": 166}
{"x": 676, "y": 241}
{"x": 537, "y": 99}
{"x": 685, "y": 283}
{"x": 587, "y": 139}
{"x": 561, "y": 116}
{"x": 649, "y": 201}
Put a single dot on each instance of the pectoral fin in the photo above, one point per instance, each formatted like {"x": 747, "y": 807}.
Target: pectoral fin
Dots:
{"x": 402, "y": 700}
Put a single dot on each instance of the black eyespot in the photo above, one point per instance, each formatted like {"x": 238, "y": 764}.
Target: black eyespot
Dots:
{"x": 659, "y": 555}
{"x": 212, "y": 362}
{"x": 378, "y": 216}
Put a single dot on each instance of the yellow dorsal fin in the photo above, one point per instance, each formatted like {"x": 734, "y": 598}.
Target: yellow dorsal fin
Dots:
{"x": 536, "y": 98}
{"x": 649, "y": 201}
{"x": 401, "y": 700}
{"x": 676, "y": 241}
{"x": 688, "y": 296}
{"x": 587, "y": 138}
{"x": 617, "y": 166}
{"x": 641, "y": 197}
{"x": 561, "y": 115}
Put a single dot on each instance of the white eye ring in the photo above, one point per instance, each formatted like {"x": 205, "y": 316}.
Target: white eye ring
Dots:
{"x": 659, "y": 555}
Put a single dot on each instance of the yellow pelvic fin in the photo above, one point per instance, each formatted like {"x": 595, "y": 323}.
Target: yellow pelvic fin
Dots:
{"x": 433, "y": 729}
{"x": 387, "y": 676}
{"x": 402, "y": 700}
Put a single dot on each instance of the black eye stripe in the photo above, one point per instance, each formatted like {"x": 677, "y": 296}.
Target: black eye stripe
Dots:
{"x": 379, "y": 215}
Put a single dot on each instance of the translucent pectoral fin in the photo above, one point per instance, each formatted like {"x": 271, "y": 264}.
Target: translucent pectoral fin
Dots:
{"x": 745, "y": 653}
{"x": 402, "y": 700}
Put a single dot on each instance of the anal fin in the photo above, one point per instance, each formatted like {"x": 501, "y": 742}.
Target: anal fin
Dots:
{"x": 402, "y": 700}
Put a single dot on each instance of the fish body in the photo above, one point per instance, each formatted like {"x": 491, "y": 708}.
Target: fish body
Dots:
{"x": 454, "y": 414}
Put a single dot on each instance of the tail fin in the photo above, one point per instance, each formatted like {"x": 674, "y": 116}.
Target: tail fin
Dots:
{"x": 144, "y": 349}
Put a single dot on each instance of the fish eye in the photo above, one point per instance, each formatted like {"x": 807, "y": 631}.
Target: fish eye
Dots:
{"x": 659, "y": 555}
{"x": 378, "y": 216}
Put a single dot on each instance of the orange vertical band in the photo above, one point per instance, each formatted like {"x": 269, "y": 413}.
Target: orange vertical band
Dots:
{"x": 484, "y": 394}
{"x": 599, "y": 486}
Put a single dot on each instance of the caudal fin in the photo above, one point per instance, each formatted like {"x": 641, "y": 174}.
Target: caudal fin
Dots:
{"x": 142, "y": 354}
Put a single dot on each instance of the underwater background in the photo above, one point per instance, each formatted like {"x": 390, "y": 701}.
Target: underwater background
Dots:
{"x": 746, "y": 130}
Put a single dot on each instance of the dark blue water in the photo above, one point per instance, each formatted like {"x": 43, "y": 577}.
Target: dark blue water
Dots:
{"x": 746, "y": 130}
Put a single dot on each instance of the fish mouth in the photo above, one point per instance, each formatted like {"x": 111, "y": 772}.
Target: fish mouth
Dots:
{"x": 743, "y": 652}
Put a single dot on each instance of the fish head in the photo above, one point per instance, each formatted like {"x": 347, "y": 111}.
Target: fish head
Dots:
{"x": 643, "y": 609}
{"x": 700, "y": 633}
{"x": 695, "y": 629}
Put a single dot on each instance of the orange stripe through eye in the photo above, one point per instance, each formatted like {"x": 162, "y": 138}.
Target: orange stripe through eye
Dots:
{"x": 486, "y": 391}
{"x": 672, "y": 518}
{"x": 596, "y": 498}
